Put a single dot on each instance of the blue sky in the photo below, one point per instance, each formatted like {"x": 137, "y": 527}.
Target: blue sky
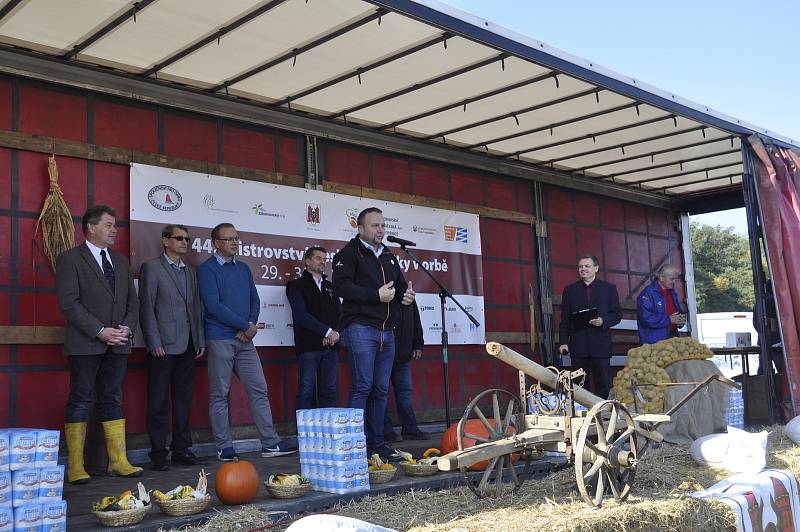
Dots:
{"x": 739, "y": 58}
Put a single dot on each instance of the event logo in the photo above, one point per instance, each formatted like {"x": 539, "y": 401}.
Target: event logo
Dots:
{"x": 259, "y": 210}
{"x": 164, "y": 198}
{"x": 313, "y": 214}
{"x": 424, "y": 230}
{"x": 457, "y": 234}
{"x": 352, "y": 217}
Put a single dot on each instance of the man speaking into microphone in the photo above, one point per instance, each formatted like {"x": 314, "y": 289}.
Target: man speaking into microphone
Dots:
{"x": 368, "y": 277}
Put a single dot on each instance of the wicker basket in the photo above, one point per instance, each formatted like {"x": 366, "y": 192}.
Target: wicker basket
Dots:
{"x": 379, "y": 476}
{"x": 279, "y": 491}
{"x": 419, "y": 470}
{"x": 122, "y": 517}
{"x": 181, "y": 507}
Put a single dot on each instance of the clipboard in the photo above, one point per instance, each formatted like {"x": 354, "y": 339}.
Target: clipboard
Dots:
{"x": 580, "y": 320}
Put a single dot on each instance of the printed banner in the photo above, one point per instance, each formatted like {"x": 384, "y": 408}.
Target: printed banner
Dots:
{"x": 277, "y": 224}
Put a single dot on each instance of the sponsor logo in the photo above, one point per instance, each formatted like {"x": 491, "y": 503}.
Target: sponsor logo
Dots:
{"x": 290, "y": 325}
{"x": 352, "y": 217}
{"x": 455, "y": 328}
{"x": 424, "y": 230}
{"x": 425, "y": 308}
{"x": 313, "y": 214}
{"x": 259, "y": 210}
{"x": 276, "y": 305}
{"x": 165, "y": 198}
{"x": 210, "y": 203}
{"x": 262, "y": 325}
{"x": 457, "y": 234}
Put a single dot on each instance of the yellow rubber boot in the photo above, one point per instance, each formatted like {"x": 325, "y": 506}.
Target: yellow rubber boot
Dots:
{"x": 76, "y": 435}
{"x": 118, "y": 464}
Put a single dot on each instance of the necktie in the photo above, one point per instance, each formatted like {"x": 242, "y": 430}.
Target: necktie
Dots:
{"x": 108, "y": 271}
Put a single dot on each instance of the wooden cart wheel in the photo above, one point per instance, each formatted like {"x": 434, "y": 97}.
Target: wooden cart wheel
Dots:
{"x": 605, "y": 453}
{"x": 505, "y": 417}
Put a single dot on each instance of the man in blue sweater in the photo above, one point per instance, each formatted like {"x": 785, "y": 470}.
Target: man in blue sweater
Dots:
{"x": 232, "y": 306}
{"x": 658, "y": 310}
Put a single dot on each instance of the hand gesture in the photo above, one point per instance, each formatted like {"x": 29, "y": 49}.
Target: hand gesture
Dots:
{"x": 113, "y": 336}
{"x": 677, "y": 319}
{"x": 409, "y": 295}
{"x": 597, "y": 322}
{"x": 332, "y": 338}
{"x": 386, "y": 292}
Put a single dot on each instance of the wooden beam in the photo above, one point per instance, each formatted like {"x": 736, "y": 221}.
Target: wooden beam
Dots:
{"x": 412, "y": 199}
{"x": 110, "y": 154}
{"x": 31, "y": 335}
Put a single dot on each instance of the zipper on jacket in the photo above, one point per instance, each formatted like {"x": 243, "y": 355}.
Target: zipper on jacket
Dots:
{"x": 383, "y": 325}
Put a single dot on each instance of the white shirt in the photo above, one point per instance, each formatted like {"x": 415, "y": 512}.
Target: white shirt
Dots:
{"x": 96, "y": 254}
{"x": 372, "y": 249}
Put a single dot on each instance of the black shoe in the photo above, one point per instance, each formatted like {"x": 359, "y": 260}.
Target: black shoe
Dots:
{"x": 391, "y": 437}
{"x": 160, "y": 465}
{"x": 186, "y": 459}
{"x": 387, "y": 454}
{"x": 419, "y": 435}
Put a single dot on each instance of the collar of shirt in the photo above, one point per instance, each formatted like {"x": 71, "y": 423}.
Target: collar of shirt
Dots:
{"x": 179, "y": 264}
{"x": 317, "y": 279}
{"x": 222, "y": 260}
{"x": 372, "y": 249}
{"x": 96, "y": 254}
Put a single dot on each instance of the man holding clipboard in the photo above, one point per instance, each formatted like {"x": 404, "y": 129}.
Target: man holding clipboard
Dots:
{"x": 589, "y": 308}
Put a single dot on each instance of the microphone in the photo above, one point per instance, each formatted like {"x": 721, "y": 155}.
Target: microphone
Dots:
{"x": 401, "y": 241}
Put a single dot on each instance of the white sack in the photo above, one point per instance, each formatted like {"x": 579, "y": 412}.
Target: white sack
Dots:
{"x": 738, "y": 450}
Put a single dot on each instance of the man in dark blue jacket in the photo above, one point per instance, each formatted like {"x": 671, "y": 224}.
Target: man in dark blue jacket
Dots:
{"x": 658, "y": 310}
{"x": 369, "y": 279}
{"x": 589, "y": 344}
{"x": 315, "y": 311}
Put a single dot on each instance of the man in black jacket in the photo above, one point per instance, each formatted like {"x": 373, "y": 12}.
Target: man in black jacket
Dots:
{"x": 590, "y": 346}
{"x": 408, "y": 347}
{"x": 369, "y": 279}
{"x": 315, "y": 312}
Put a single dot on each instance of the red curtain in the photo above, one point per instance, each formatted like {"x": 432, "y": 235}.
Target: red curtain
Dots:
{"x": 777, "y": 173}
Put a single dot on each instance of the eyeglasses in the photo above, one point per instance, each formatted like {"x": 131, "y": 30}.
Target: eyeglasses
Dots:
{"x": 229, "y": 240}
{"x": 180, "y": 238}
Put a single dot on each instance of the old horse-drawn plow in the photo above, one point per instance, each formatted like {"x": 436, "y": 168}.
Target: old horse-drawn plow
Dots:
{"x": 603, "y": 443}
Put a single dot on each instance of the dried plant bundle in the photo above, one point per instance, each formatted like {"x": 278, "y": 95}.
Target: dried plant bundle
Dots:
{"x": 55, "y": 220}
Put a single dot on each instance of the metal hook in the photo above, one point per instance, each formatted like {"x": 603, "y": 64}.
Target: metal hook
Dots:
{"x": 675, "y": 120}
{"x": 294, "y": 58}
{"x": 380, "y": 17}
{"x": 555, "y": 77}
{"x": 703, "y": 131}
{"x": 638, "y": 113}
{"x": 444, "y": 42}
{"x": 680, "y": 165}
{"x": 551, "y": 131}
{"x": 622, "y": 147}
{"x": 465, "y": 106}
{"x": 597, "y": 96}
{"x": 358, "y": 73}
{"x": 516, "y": 119}
{"x": 652, "y": 158}
{"x": 503, "y": 64}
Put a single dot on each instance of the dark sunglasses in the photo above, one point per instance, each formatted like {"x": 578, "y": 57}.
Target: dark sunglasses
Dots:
{"x": 180, "y": 238}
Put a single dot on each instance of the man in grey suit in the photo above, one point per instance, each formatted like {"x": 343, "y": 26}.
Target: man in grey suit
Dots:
{"x": 99, "y": 303}
{"x": 171, "y": 316}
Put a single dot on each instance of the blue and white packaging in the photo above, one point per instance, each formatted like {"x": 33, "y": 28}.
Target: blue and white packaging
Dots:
{"x": 734, "y": 415}
{"x": 5, "y": 451}
{"x": 24, "y": 487}
{"x": 28, "y": 518}
{"x": 54, "y": 516}
{"x": 51, "y": 484}
{"x": 359, "y": 451}
{"x": 5, "y": 489}
{"x": 6, "y": 519}
{"x": 22, "y": 451}
{"x": 47, "y": 448}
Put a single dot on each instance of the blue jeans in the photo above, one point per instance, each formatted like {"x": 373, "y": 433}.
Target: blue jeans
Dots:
{"x": 371, "y": 354}
{"x": 317, "y": 370}
{"x": 403, "y": 397}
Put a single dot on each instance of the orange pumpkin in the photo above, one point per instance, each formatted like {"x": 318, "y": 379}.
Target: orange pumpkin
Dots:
{"x": 236, "y": 482}
{"x": 449, "y": 441}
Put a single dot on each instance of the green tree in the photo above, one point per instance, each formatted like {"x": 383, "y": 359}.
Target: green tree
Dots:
{"x": 723, "y": 273}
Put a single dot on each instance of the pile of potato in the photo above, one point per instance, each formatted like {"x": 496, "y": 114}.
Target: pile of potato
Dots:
{"x": 646, "y": 365}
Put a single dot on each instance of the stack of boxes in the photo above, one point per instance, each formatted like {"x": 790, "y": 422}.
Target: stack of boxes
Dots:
{"x": 734, "y": 415}
{"x": 31, "y": 481}
{"x": 333, "y": 449}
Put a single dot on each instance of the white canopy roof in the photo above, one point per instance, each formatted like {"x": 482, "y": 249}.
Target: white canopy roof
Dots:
{"x": 418, "y": 69}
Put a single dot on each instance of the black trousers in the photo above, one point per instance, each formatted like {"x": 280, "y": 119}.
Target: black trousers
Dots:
{"x": 99, "y": 376}
{"x": 170, "y": 375}
{"x": 597, "y": 374}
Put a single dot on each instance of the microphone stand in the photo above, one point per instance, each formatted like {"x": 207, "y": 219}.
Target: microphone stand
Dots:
{"x": 444, "y": 293}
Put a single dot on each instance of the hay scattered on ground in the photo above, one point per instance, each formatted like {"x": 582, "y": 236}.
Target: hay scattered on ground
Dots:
{"x": 659, "y": 501}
